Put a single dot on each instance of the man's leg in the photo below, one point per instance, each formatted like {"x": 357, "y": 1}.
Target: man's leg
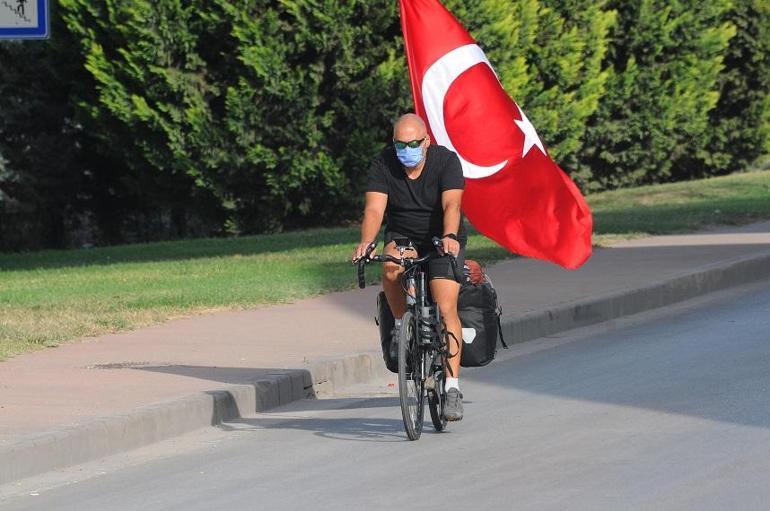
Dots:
{"x": 391, "y": 280}
{"x": 394, "y": 292}
{"x": 445, "y": 293}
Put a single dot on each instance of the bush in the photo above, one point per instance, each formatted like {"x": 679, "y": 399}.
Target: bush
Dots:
{"x": 143, "y": 120}
{"x": 665, "y": 64}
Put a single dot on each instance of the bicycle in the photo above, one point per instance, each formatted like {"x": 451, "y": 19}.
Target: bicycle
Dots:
{"x": 422, "y": 342}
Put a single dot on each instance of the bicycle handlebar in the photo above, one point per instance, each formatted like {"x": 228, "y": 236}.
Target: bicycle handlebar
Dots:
{"x": 406, "y": 262}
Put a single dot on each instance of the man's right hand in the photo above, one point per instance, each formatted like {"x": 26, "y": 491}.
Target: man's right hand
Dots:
{"x": 360, "y": 250}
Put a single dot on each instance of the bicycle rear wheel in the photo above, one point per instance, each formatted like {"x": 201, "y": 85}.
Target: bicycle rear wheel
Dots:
{"x": 411, "y": 386}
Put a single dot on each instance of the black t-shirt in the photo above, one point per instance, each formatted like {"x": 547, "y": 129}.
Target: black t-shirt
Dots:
{"x": 414, "y": 205}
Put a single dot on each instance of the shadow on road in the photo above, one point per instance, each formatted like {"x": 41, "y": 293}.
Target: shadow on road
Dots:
{"x": 287, "y": 417}
{"x": 357, "y": 429}
{"x": 709, "y": 362}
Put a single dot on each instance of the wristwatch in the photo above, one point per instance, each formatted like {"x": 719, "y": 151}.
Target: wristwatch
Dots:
{"x": 451, "y": 236}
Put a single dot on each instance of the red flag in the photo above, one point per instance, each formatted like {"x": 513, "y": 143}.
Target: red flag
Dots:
{"x": 514, "y": 193}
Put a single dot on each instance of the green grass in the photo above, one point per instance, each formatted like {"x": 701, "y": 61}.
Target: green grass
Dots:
{"x": 683, "y": 207}
{"x": 51, "y": 297}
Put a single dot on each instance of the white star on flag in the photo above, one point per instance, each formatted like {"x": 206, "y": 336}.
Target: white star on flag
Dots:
{"x": 530, "y": 135}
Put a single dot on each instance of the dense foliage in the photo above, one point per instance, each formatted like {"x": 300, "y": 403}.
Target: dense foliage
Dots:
{"x": 665, "y": 65}
{"x": 144, "y": 120}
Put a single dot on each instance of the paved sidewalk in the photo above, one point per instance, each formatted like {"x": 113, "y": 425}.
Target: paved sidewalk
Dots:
{"x": 115, "y": 374}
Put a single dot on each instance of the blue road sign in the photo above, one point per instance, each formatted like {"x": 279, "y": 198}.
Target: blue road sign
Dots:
{"x": 24, "y": 19}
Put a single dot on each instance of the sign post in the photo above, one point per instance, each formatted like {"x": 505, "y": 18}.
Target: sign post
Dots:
{"x": 24, "y": 19}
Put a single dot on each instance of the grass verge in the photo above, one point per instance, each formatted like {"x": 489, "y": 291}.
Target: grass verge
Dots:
{"x": 51, "y": 297}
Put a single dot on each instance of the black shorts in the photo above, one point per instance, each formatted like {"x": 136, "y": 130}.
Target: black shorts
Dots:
{"x": 439, "y": 268}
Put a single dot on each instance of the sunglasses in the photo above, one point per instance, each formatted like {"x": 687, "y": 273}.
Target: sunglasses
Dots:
{"x": 411, "y": 144}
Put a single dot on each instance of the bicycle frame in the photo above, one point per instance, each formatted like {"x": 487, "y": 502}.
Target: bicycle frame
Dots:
{"x": 429, "y": 327}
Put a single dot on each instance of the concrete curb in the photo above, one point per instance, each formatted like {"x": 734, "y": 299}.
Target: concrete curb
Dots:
{"x": 329, "y": 374}
{"x": 723, "y": 275}
{"x": 118, "y": 433}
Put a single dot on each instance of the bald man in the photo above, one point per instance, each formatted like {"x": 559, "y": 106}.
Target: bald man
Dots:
{"x": 417, "y": 189}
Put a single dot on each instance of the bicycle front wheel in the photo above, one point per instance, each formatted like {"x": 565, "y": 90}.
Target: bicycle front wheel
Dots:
{"x": 411, "y": 385}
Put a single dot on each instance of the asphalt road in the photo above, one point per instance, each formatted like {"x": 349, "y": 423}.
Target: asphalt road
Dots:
{"x": 667, "y": 410}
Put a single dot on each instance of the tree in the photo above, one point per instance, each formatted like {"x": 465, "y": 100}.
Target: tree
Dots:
{"x": 148, "y": 104}
{"x": 145, "y": 119}
{"x": 314, "y": 97}
{"x": 740, "y": 123}
{"x": 260, "y": 106}
{"x": 665, "y": 62}
{"x": 38, "y": 143}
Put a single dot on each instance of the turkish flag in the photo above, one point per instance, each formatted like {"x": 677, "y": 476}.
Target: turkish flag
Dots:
{"x": 514, "y": 192}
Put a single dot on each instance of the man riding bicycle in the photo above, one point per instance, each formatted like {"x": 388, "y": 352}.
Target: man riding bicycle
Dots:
{"x": 417, "y": 189}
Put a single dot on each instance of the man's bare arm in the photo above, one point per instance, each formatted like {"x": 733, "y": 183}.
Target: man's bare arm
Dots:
{"x": 374, "y": 211}
{"x": 451, "y": 201}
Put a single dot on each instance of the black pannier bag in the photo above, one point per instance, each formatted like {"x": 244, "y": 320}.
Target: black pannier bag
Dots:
{"x": 386, "y": 322}
{"x": 480, "y": 319}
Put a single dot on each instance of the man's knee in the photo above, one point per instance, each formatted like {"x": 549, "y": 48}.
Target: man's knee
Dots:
{"x": 391, "y": 272}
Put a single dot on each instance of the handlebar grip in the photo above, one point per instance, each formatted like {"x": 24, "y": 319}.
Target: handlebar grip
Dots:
{"x": 362, "y": 264}
{"x": 362, "y": 273}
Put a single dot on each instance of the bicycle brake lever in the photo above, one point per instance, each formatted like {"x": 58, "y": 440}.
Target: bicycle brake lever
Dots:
{"x": 458, "y": 273}
{"x": 369, "y": 248}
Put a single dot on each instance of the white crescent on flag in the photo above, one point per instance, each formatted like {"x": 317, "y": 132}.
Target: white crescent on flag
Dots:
{"x": 435, "y": 84}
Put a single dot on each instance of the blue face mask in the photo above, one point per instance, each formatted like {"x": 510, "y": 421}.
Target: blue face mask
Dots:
{"x": 410, "y": 157}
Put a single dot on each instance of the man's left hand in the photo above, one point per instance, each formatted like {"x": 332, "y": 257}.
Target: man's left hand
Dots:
{"x": 450, "y": 246}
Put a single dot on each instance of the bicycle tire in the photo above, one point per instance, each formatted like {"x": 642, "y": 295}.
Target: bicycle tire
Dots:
{"x": 436, "y": 403}
{"x": 437, "y": 396}
{"x": 411, "y": 387}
